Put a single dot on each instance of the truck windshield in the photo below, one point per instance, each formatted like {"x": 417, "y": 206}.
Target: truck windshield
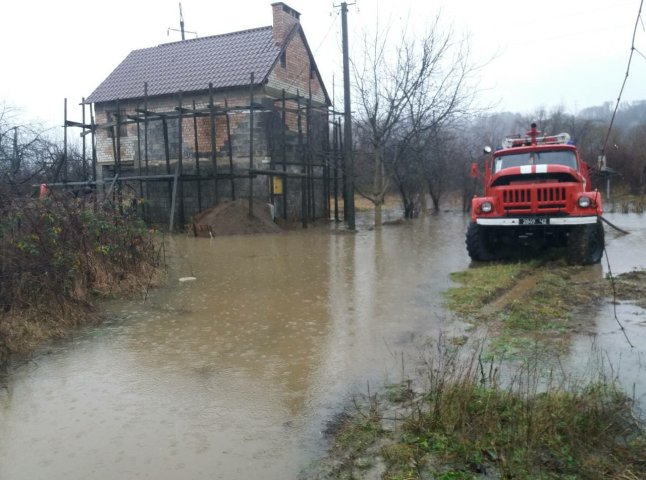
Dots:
{"x": 553, "y": 157}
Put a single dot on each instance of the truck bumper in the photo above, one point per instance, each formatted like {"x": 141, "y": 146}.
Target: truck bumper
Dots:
{"x": 536, "y": 221}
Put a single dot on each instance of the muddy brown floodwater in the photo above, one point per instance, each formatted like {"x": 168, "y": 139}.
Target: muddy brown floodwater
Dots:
{"x": 234, "y": 374}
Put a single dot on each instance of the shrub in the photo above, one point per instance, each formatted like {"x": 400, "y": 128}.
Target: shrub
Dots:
{"x": 56, "y": 254}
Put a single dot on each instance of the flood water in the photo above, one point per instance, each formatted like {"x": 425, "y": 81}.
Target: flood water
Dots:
{"x": 623, "y": 355}
{"x": 234, "y": 374}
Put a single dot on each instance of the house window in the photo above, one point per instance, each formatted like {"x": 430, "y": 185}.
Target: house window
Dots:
{"x": 112, "y": 118}
{"x": 283, "y": 59}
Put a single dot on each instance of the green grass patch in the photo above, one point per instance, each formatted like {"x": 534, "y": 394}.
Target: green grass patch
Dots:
{"x": 465, "y": 426}
{"x": 481, "y": 285}
{"x": 585, "y": 433}
{"x": 547, "y": 306}
{"x": 536, "y": 424}
{"x": 355, "y": 435}
{"x": 358, "y": 434}
{"x": 527, "y": 306}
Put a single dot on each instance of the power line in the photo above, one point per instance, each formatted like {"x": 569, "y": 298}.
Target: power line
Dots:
{"x": 623, "y": 85}
{"x": 314, "y": 52}
{"x": 566, "y": 35}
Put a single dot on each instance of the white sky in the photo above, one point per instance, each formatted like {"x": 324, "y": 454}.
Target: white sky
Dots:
{"x": 572, "y": 53}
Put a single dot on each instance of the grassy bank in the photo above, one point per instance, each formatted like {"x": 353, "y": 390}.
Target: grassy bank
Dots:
{"x": 462, "y": 418}
{"x": 58, "y": 254}
{"x": 464, "y": 425}
{"x": 537, "y": 303}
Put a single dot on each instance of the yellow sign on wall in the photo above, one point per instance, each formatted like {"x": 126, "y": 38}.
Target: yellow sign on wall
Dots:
{"x": 276, "y": 185}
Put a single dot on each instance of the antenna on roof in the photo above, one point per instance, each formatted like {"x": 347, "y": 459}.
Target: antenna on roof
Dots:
{"x": 181, "y": 25}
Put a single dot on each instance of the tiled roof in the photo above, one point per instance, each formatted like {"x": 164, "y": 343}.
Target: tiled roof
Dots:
{"x": 224, "y": 60}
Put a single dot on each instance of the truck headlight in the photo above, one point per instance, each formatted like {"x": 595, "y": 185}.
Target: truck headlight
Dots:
{"x": 584, "y": 202}
{"x": 486, "y": 207}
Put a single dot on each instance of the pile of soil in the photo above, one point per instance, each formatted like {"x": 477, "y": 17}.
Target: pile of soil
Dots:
{"x": 232, "y": 218}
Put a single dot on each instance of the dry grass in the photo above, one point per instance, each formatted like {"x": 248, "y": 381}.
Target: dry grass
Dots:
{"x": 23, "y": 330}
{"x": 624, "y": 202}
{"x": 362, "y": 204}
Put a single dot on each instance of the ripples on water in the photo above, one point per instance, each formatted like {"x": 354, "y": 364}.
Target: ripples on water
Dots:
{"x": 232, "y": 375}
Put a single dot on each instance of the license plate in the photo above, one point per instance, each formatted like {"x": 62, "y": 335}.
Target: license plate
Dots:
{"x": 534, "y": 221}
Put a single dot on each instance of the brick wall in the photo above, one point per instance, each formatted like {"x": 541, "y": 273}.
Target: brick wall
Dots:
{"x": 284, "y": 19}
{"x": 132, "y": 150}
{"x": 279, "y": 137}
{"x": 273, "y": 143}
{"x": 297, "y": 75}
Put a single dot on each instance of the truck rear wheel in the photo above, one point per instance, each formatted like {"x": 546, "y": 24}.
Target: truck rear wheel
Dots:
{"x": 479, "y": 244}
{"x": 585, "y": 244}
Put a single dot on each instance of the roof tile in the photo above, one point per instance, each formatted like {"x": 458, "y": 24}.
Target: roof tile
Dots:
{"x": 190, "y": 65}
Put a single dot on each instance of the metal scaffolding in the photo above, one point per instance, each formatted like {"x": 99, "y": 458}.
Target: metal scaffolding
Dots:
{"x": 315, "y": 162}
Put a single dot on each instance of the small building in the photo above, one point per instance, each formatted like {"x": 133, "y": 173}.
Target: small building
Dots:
{"x": 230, "y": 115}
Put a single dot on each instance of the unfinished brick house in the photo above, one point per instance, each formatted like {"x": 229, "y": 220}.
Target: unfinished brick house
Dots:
{"x": 226, "y": 114}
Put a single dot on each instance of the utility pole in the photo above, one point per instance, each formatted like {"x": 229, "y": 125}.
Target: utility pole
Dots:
{"x": 251, "y": 82}
{"x": 348, "y": 153}
{"x": 64, "y": 161}
{"x": 181, "y": 21}
{"x": 16, "y": 159}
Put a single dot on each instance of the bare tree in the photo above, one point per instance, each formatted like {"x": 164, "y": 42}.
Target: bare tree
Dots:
{"x": 404, "y": 92}
{"x": 29, "y": 154}
{"x": 628, "y": 157}
{"x": 443, "y": 163}
{"x": 408, "y": 178}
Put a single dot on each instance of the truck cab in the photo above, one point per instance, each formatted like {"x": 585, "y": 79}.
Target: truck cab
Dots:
{"x": 537, "y": 192}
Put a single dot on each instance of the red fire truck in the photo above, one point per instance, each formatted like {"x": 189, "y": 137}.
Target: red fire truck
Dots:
{"x": 537, "y": 193}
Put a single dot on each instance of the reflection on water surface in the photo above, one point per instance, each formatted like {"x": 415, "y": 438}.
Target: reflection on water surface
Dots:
{"x": 234, "y": 374}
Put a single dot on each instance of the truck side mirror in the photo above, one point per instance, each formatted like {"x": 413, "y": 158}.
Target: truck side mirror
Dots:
{"x": 487, "y": 150}
{"x": 474, "y": 170}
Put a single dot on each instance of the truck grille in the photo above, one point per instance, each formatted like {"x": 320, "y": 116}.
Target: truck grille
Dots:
{"x": 538, "y": 198}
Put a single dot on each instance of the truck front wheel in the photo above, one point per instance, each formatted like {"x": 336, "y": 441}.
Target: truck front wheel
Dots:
{"x": 585, "y": 244}
{"x": 479, "y": 243}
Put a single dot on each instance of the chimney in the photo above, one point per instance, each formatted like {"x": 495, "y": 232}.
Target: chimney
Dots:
{"x": 285, "y": 18}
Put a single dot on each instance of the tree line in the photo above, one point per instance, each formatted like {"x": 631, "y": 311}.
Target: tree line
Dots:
{"x": 437, "y": 163}
{"x": 32, "y": 154}
{"x": 418, "y": 127}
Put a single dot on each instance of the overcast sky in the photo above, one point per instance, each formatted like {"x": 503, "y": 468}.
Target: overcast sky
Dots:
{"x": 571, "y": 53}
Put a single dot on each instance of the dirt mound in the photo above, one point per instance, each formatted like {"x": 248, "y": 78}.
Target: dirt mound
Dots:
{"x": 232, "y": 218}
